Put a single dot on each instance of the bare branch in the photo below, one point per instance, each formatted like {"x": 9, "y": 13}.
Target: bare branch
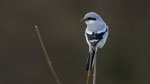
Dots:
{"x": 94, "y": 74}
{"x": 46, "y": 55}
{"x": 89, "y": 70}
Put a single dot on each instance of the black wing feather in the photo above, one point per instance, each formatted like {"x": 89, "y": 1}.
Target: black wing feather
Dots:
{"x": 94, "y": 38}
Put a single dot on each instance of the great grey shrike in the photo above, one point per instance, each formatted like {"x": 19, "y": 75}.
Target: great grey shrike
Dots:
{"x": 96, "y": 34}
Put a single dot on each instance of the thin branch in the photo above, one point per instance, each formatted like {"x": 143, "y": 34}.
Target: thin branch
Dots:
{"x": 89, "y": 70}
{"x": 46, "y": 55}
{"x": 94, "y": 74}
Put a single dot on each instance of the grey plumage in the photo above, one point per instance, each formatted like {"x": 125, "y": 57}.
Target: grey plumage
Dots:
{"x": 96, "y": 33}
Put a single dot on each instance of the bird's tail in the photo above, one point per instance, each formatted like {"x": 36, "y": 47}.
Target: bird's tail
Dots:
{"x": 92, "y": 52}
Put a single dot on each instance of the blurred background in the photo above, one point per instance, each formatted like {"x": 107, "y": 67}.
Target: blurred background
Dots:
{"x": 123, "y": 60}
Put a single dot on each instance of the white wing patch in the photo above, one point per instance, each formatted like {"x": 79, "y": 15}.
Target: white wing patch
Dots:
{"x": 89, "y": 32}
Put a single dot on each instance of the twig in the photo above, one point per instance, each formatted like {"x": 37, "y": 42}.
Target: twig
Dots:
{"x": 46, "y": 55}
{"x": 94, "y": 74}
{"x": 89, "y": 70}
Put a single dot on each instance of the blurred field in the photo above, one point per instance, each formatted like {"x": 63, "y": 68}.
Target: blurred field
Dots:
{"x": 123, "y": 60}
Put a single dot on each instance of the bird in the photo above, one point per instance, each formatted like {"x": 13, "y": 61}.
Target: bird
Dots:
{"x": 96, "y": 34}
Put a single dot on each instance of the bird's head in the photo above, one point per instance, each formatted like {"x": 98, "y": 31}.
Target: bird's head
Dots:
{"x": 91, "y": 17}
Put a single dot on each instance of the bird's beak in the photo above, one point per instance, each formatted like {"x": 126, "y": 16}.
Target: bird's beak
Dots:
{"x": 83, "y": 19}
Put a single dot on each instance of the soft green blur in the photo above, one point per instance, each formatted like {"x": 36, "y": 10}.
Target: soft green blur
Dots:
{"x": 123, "y": 60}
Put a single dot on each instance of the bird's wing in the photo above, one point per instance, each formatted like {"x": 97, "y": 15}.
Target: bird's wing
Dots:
{"x": 94, "y": 38}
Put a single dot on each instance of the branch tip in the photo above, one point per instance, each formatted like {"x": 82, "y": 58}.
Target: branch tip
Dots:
{"x": 36, "y": 27}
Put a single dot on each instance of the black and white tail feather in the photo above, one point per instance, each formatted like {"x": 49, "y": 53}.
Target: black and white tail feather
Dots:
{"x": 92, "y": 60}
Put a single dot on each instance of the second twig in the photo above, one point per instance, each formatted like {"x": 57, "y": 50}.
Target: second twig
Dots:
{"x": 46, "y": 55}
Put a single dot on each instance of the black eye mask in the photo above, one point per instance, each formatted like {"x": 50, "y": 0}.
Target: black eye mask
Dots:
{"x": 90, "y": 18}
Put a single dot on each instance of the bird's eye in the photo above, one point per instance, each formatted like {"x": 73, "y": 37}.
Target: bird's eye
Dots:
{"x": 91, "y": 18}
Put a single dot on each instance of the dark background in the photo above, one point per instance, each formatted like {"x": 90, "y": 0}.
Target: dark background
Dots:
{"x": 123, "y": 60}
